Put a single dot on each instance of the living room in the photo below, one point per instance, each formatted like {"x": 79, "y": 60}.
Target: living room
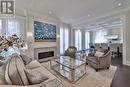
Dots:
{"x": 64, "y": 43}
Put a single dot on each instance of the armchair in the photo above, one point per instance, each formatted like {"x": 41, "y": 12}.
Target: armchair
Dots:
{"x": 99, "y": 62}
{"x": 71, "y": 51}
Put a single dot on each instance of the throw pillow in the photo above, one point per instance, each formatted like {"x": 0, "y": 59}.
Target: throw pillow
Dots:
{"x": 33, "y": 64}
{"x": 99, "y": 54}
{"x": 26, "y": 59}
{"x": 35, "y": 77}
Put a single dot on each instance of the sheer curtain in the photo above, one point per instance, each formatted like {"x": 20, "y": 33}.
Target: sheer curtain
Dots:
{"x": 87, "y": 39}
{"x": 61, "y": 40}
{"x": 64, "y": 38}
{"x": 78, "y": 40}
{"x": 16, "y": 26}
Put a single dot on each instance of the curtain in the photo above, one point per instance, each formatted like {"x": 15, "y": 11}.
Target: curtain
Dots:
{"x": 78, "y": 40}
{"x": 87, "y": 39}
{"x": 64, "y": 38}
{"x": 16, "y": 26}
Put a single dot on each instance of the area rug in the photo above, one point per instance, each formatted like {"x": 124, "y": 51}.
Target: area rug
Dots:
{"x": 102, "y": 78}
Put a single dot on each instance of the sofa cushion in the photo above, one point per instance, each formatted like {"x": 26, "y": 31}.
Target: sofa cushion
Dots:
{"x": 21, "y": 67}
{"x": 93, "y": 59}
{"x": 7, "y": 79}
{"x": 15, "y": 72}
{"x": 33, "y": 64}
{"x": 2, "y": 80}
{"x": 26, "y": 59}
{"x": 99, "y": 54}
{"x": 35, "y": 77}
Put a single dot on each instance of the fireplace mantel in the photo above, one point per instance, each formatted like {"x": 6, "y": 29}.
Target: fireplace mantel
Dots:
{"x": 42, "y": 46}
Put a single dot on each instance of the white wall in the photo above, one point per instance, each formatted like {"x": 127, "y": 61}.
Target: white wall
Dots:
{"x": 30, "y": 31}
{"x": 126, "y": 34}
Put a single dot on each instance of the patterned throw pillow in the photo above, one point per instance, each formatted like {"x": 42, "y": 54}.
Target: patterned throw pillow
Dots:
{"x": 35, "y": 77}
{"x": 33, "y": 64}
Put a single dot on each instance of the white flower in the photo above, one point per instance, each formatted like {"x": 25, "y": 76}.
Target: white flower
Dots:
{"x": 5, "y": 43}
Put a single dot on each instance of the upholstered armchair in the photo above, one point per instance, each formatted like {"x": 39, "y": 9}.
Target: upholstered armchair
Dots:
{"x": 71, "y": 51}
{"x": 103, "y": 61}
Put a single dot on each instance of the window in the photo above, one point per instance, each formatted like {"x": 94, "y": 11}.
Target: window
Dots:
{"x": 12, "y": 27}
{"x": 64, "y": 39}
{"x": 16, "y": 26}
{"x": 87, "y": 39}
{"x": 100, "y": 36}
{"x": 78, "y": 38}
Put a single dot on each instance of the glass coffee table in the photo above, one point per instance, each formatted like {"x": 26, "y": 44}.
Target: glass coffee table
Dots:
{"x": 71, "y": 69}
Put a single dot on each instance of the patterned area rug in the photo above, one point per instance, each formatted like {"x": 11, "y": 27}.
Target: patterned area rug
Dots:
{"x": 102, "y": 78}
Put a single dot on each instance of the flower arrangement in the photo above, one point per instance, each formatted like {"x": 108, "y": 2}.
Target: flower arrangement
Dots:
{"x": 10, "y": 41}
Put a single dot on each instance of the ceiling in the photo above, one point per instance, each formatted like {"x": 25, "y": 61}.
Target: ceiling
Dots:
{"x": 71, "y": 11}
{"x": 110, "y": 24}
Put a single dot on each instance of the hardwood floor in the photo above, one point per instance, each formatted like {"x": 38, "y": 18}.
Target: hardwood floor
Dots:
{"x": 122, "y": 75}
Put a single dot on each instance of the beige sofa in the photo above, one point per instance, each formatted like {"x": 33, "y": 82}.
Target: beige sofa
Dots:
{"x": 35, "y": 65}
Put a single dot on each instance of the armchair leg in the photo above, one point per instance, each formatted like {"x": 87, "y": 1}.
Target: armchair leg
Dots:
{"x": 96, "y": 70}
{"x": 108, "y": 67}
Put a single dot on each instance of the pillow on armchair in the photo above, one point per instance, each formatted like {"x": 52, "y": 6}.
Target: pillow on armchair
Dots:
{"x": 99, "y": 54}
{"x": 102, "y": 50}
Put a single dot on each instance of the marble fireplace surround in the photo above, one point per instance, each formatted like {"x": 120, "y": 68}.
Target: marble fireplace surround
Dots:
{"x": 42, "y": 50}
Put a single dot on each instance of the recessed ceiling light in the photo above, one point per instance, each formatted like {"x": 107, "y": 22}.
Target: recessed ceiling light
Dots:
{"x": 50, "y": 12}
{"x": 121, "y": 18}
{"x": 89, "y": 15}
{"x": 119, "y": 4}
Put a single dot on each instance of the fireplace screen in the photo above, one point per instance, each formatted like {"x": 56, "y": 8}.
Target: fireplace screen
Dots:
{"x": 46, "y": 54}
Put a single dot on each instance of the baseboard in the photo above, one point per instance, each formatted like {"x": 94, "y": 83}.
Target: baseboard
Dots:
{"x": 127, "y": 63}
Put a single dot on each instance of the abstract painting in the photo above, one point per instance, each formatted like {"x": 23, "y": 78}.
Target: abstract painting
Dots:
{"x": 44, "y": 31}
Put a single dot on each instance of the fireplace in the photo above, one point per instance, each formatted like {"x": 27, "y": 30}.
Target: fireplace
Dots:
{"x": 45, "y": 54}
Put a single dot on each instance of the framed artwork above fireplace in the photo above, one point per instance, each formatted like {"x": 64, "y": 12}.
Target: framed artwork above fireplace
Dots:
{"x": 44, "y": 32}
